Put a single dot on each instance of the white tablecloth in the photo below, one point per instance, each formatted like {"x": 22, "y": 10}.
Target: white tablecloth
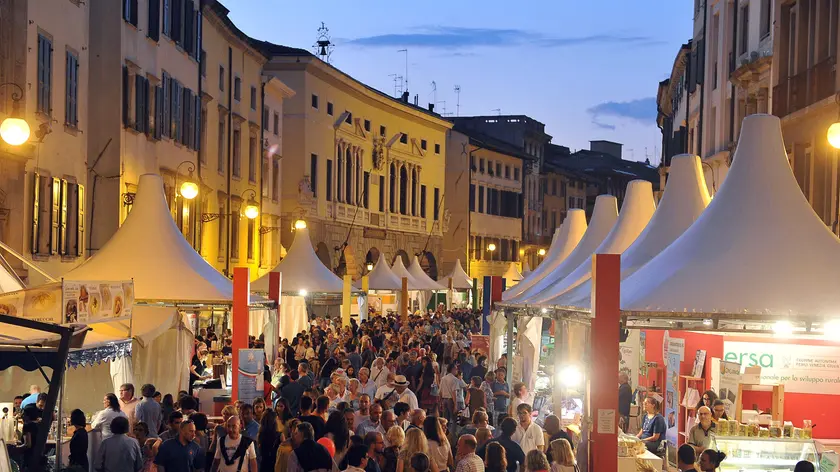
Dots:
{"x": 628, "y": 464}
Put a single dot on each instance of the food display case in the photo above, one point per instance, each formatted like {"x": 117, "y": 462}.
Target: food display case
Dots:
{"x": 766, "y": 454}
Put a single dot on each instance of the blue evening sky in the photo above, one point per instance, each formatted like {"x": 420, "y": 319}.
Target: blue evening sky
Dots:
{"x": 588, "y": 70}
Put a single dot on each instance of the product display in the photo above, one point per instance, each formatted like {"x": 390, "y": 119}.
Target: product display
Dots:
{"x": 630, "y": 446}
{"x": 762, "y": 454}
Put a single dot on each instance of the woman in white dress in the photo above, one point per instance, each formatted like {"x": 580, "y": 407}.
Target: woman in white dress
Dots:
{"x": 102, "y": 420}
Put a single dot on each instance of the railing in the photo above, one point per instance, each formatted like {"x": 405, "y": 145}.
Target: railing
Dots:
{"x": 806, "y": 88}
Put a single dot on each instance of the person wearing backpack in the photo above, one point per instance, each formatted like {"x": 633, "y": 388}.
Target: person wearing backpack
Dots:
{"x": 235, "y": 452}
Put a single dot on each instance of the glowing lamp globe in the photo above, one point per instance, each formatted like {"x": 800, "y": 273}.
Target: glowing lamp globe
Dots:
{"x": 252, "y": 211}
{"x": 369, "y": 266}
{"x": 491, "y": 247}
{"x": 14, "y": 131}
{"x": 302, "y": 292}
{"x": 833, "y": 135}
{"x": 189, "y": 190}
{"x": 541, "y": 252}
{"x": 300, "y": 224}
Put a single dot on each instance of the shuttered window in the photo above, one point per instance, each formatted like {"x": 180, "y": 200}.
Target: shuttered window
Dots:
{"x": 44, "y": 97}
{"x": 62, "y": 228}
{"x": 126, "y": 97}
{"x": 55, "y": 214}
{"x": 71, "y": 81}
{"x": 154, "y": 20}
{"x": 167, "y": 17}
{"x": 158, "y": 112}
{"x": 130, "y": 11}
{"x": 167, "y": 93}
{"x": 141, "y": 103}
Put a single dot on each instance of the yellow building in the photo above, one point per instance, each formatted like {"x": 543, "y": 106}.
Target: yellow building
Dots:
{"x": 242, "y": 113}
{"x": 365, "y": 169}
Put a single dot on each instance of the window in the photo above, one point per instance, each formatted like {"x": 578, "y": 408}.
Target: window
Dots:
{"x": 329, "y": 108}
{"x": 44, "y": 100}
{"x": 472, "y": 163}
{"x": 130, "y": 11}
{"x": 58, "y": 217}
{"x": 480, "y": 199}
{"x": 221, "y": 145}
{"x": 167, "y": 17}
{"x": 237, "y": 153}
{"x": 329, "y": 180}
{"x": 481, "y": 165}
{"x": 766, "y": 18}
{"x": 423, "y": 144}
{"x": 382, "y": 131}
{"x": 516, "y": 174}
{"x": 349, "y": 119}
{"x": 365, "y": 188}
{"x": 498, "y": 169}
{"x": 404, "y": 138}
{"x": 237, "y": 89}
{"x": 313, "y": 174}
{"x": 222, "y": 228}
{"x": 422, "y": 201}
{"x": 252, "y": 159}
{"x": 437, "y": 148}
{"x": 367, "y": 126}
{"x": 744, "y": 16}
{"x": 265, "y": 172}
{"x": 158, "y": 125}
{"x": 314, "y": 101}
{"x": 222, "y": 78}
{"x": 265, "y": 118}
{"x": 276, "y": 124}
{"x": 572, "y": 203}
{"x": 382, "y": 193}
{"x": 250, "y": 244}
{"x": 153, "y": 31}
{"x": 141, "y": 104}
{"x": 507, "y": 172}
{"x": 253, "y": 98}
{"x": 71, "y": 81}
{"x": 234, "y": 234}
{"x": 472, "y": 197}
{"x": 202, "y": 63}
{"x": 554, "y": 186}
{"x": 275, "y": 179}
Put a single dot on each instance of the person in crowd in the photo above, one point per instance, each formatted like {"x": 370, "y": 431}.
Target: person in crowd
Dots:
{"x": 350, "y": 418}
{"x": 373, "y": 422}
{"x": 562, "y": 456}
{"x": 420, "y": 462}
{"x": 31, "y": 425}
{"x": 167, "y": 406}
{"x": 514, "y": 456}
{"x": 710, "y": 460}
{"x": 128, "y": 402}
{"x": 415, "y": 443}
{"x": 235, "y": 452}
{"x": 180, "y": 453}
{"x": 495, "y": 459}
{"x": 293, "y": 391}
{"x": 305, "y": 375}
{"x": 227, "y": 349}
{"x": 501, "y": 393}
{"x": 653, "y": 426}
{"x": 719, "y": 411}
{"x": 363, "y": 412}
{"x": 227, "y": 412}
{"x": 34, "y": 390}
{"x": 708, "y": 399}
{"x": 366, "y": 385}
{"x": 308, "y": 455}
{"x": 357, "y": 458}
{"x": 285, "y": 448}
{"x": 625, "y": 398}
{"x": 440, "y": 452}
{"x": 553, "y": 431}
{"x": 482, "y": 435}
{"x": 148, "y": 411}
{"x": 307, "y": 415}
{"x": 102, "y": 421}
{"x": 449, "y": 386}
{"x": 268, "y": 440}
{"x": 528, "y": 434}
{"x": 686, "y": 457}
{"x": 520, "y": 396}
{"x": 188, "y": 405}
{"x": 475, "y": 396}
{"x": 79, "y": 440}
{"x": 322, "y": 407}
{"x": 418, "y": 416}
{"x": 337, "y": 430}
{"x": 250, "y": 426}
{"x": 174, "y": 421}
{"x": 354, "y": 357}
{"x": 259, "y": 408}
{"x": 198, "y": 366}
{"x": 535, "y": 461}
{"x": 278, "y": 371}
{"x": 702, "y": 434}
{"x": 375, "y": 443}
{"x": 427, "y": 384}
{"x": 468, "y": 460}
{"x": 479, "y": 420}
{"x": 148, "y": 446}
{"x": 401, "y": 411}
{"x": 804, "y": 466}
{"x": 379, "y": 372}
{"x": 489, "y": 397}
{"x": 353, "y": 393}
{"x": 118, "y": 452}
{"x": 395, "y": 438}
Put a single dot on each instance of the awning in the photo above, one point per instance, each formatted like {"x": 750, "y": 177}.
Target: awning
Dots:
{"x": 302, "y": 270}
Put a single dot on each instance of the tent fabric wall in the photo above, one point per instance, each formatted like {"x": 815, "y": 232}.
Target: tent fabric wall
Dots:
{"x": 498, "y": 330}
{"x": 122, "y": 372}
{"x": 529, "y": 343}
{"x": 293, "y": 316}
{"x": 165, "y": 361}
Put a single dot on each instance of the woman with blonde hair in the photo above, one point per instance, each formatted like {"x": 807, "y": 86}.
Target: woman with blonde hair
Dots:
{"x": 562, "y": 457}
{"x": 353, "y": 393}
{"x": 396, "y": 438}
{"x": 535, "y": 461}
{"x": 495, "y": 458}
{"x": 415, "y": 441}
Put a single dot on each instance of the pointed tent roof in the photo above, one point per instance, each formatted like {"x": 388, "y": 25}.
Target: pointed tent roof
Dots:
{"x": 8, "y": 282}
{"x": 685, "y": 198}
{"x": 460, "y": 279}
{"x": 382, "y": 278}
{"x": 302, "y": 270}
{"x": 512, "y": 274}
{"x": 635, "y": 214}
{"x": 759, "y": 248}
{"x": 400, "y": 271}
{"x": 603, "y": 219}
{"x": 421, "y": 277}
{"x": 526, "y": 269}
{"x": 150, "y": 249}
{"x": 565, "y": 239}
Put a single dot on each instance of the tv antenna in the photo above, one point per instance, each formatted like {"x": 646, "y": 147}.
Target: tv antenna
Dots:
{"x": 405, "y": 77}
{"x": 398, "y": 84}
{"x": 323, "y": 47}
{"x": 498, "y": 111}
{"x": 458, "y": 100}
{"x": 434, "y": 92}
{"x": 444, "y": 107}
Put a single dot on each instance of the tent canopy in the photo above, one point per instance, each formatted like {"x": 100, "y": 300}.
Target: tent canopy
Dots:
{"x": 150, "y": 249}
{"x": 758, "y": 249}
{"x": 302, "y": 270}
{"x": 684, "y": 200}
{"x": 381, "y": 277}
{"x": 512, "y": 274}
{"x": 459, "y": 277}
{"x": 421, "y": 277}
{"x": 635, "y": 214}
{"x": 565, "y": 239}
{"x": 400, "y": 271}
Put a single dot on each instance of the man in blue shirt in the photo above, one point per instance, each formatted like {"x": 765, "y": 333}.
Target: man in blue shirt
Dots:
{"x": 501, "y": 393}
{"x": 250, "y": 427}
{"x": 34, "y": 390}
{"x": 148, "y": 410}
{"x": 513, "y": 452}
{"x": 181, "y": 454}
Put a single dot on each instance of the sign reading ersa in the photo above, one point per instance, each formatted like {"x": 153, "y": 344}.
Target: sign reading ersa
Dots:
{"x": 801, "y": 368}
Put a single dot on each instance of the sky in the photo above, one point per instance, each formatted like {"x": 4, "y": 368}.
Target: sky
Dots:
{"x": 588, "y": 70}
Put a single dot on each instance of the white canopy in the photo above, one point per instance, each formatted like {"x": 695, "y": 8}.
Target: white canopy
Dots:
{"x": 759, "y": 248}
{"x": 685, "y": 198}
{"x": 400, "y": 271}
{"x": 150, "y": 249}
{"x": 381, "y": 277}
{"x": 459, "y": 277}
{"x": 635, "y": 214}
{"x": 421, "y": 277}
{"x": 512, "y": 275}
{"x": 8, "y": 282}
{"x": 603, "y": 219}
{"x": 526, "y": 269}
{"x": 565, "y": 239}
{"x": 302, "y": 270}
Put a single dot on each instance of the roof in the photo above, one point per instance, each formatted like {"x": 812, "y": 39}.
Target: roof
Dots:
{"x": 485, "y": 141}
{"x": 459, "y": 277}
{"x": 222, "y": 11}
{"x": 381, "y": 277}
{"x": 401, "y": 271}
{"x": 593, "y": 162}
{"x": 421, "y": 277}
{"x": 302, "y": 270}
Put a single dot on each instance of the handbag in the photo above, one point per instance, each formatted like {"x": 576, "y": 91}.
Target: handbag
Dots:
{"x": 434, "y": 390}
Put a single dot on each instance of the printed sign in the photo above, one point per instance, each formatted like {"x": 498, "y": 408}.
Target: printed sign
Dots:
{"x": 96, "y": 301}
{"x": 251, "y": 365}
{"x": 672, "y": 382}
{"x": 829, "y": 462}
{"x": 800, "y": 368}
{"x": 480, "y": 343}
{"x": 699, "y": 363}
{"x": 606, "y": 421}
{"x": 730, "y": 378}
{"x": 677, "y": 346}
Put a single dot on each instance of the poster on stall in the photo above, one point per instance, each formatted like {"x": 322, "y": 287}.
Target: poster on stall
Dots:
{"x": 730, "y": 378}
{"x": 96, "y": 301}
{"x": 672, "y": 384}
{"x": 480, "y": 343}
{"x": 800, "y": 368}
{"x": 628, "y": 360}
{"x": 251, "y": 365}
{"x": 699, "y": 363}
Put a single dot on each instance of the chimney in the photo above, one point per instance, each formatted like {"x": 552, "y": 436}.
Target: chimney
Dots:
{"x": 432, "y": 107}
{"x": 416, "y": 99}
{"x": 404, "y": 97}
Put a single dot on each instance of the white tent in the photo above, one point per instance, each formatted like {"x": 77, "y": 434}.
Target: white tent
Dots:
{"x": 302, "y": 270}
{"x": 685, "y": 198}
{"x": 400, "y": 271}
{"x": 758, "y": 249}
{"x": 526, "y": 269}
{"x": 564, "y": 241}
{"x": 635, "y": 214}
{"x": 150, "y": 249}
{"x": 8, "y": 282}
{"x": 421, "y": 277}
{"x": 512, "y": 275}
{"x": 381, "y": 277}
{"x": 459, "y": 277}
{"x": 603, "y": 219}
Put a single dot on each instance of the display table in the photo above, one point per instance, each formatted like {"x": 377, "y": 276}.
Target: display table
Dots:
{"x": 205, "y": 399}
{"x": 628, "y": 464}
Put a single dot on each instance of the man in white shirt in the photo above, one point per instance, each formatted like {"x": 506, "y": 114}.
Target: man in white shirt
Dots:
{"x": 379, "y": 372}
{"x": 128, "y": 402}
{"x": 528, "y": 434}
{"x": 449, "y": 386}
{"x": 385, "y": 392}
{"x": 404, "y": 394}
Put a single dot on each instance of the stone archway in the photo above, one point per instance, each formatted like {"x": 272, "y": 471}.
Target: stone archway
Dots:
{"x": 323, "y": 253}
{"x": 372, "y": 256}
{"x": 429, "y": 265}
{"x": 404, "y": 255}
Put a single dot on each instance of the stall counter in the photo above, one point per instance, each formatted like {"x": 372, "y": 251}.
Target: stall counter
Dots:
{"x": 628, "y": 464}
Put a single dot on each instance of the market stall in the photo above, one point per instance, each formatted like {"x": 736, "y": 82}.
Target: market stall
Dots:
{"x": 460, "y": 286}
{"x": 512, "y": 275}
{"x": 384, "y": 287}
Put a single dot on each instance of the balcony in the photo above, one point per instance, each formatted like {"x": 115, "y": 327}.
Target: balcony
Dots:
{"x": 804, "y": 89}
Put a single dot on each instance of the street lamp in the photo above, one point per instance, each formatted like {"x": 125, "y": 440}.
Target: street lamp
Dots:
{"x": 252, "y": 209}
{"x": 369, "y": 266}
{"x": 541, "y": 252}
{"x": 491, "y": 247}
{"x": 188, "y": 189}
{"x": 14, "y": 130}
{"x": 300, "y": 224}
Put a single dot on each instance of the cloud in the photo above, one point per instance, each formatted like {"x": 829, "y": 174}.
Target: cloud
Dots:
{"x": 642, "y": 110}
{"x": 453, "y": 37}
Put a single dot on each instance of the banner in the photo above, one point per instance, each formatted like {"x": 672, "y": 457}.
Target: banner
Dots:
{"x": 628, "y": 360}
{"x": 91, "y": 301}
{"x": 250, "y": 372}
{"x": 481, "y": 343}
{"x": 800, "y": 368}
{"x": 672, "y": 387}
{"x": 730, "y": 378}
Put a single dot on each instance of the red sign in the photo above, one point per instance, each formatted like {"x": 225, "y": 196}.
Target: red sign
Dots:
{"x": 480, "y": 343}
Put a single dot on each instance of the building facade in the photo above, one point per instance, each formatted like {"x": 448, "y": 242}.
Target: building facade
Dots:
{"x": 365, "y": 170}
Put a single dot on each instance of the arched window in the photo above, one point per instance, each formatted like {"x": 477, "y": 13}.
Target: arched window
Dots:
{"x": 348, "y": 171}
{"x": 392, "y": 189}
{"x": 403, "y": 190}
{"x": 414, "y": 192}
{"x": 340, "y": 178}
